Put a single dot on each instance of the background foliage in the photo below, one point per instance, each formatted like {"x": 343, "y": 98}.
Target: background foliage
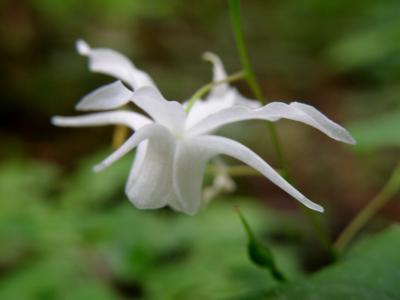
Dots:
{"x": 66, "y": 233}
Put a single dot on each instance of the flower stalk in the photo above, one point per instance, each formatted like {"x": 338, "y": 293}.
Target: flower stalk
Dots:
{"x": 390, "y": 189}
{"x": 258, "y": 252}
{"x": 207, "y": 87}
{"x": 236, "y": 20}
{"x": 250, "y": 77}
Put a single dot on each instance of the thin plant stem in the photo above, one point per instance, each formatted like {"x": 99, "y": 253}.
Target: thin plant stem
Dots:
{"x": 236, "y": 20}
{"x": 207, "y": 87}
{"x": 234, "y": 8}
{"x": 390, "y": 189}
{"x": 259, "y": 253}
{"x": 320, "y": 230}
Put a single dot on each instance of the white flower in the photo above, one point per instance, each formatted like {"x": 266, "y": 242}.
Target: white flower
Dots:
{"x": 173, "y": 146}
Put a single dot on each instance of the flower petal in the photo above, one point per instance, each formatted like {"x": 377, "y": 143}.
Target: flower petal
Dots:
{"x": 219, "y": 73}
{"x": 320, "y": 119}
{"x": 225, "y": 91}
{"x": 109, "y": 96}
{"x": 130, "y": 119}
{"x": 273, "y": 112}
{"x": 201, "y": 109}
{"x": 189, "y": 165}
{"x": 244, "y": 101}
{"x": 140, "y": 135}
{"x": 138, "y": 160}
{"x": 167, "y": 113}
{"x": 171, "y": 199}
{"x": 213, "y": 145}
{"x": 110, "y": 62}
{"x": 153, "y": 187}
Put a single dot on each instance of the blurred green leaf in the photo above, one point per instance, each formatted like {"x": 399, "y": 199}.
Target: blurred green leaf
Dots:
{"x": 82, "y": 239}
{"x": 53, "y": 278}
{"x": 369, "y": 272}
{"x": 86, "y": 188}
{"x": 367, "y": 47}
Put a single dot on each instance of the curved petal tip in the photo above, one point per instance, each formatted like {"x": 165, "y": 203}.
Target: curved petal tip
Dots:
{"x": 98, "y": 168}
{"x": 210, "y": 56}
{"x": 56, "y": 120}
{"x": 107, "y": 97}
{"x": 344, "y": 136}
{"x": 350, "y": 140}
{"x": 312, "y": 205}
{"x": 82, "y": 47}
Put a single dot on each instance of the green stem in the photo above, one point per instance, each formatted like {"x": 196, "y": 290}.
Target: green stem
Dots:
{"x": 246, "y": 225}
{"x": 320, "y": 231}
{"x": 207, "y": 87}
{"x": 259, "y": 253}
{"x": 234, "y": 10}
{"x": 278, "y": 150}
{"x": 388, "y": 191}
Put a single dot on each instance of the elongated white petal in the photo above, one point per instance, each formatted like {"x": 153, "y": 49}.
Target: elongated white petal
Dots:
{"x": 317, "y": 117}
{"x": 190, "y": 162}
{"x": 113, "y": 63}
{"x": 219, "y": 73}
{"x": 214, "y": 145}
{"x": 138, "y": 161}
{"x": 273, "y": 112}
{"x": 130, "y": 119}
{"x": 109, "y": 96}
{"x": 82, "y": 47}
{"x": 150, "y": 182}
{"x": 224, "y": 91}
{"x": 244, "y": 101}
{"x": 201, "y": 109}
{"x": 153, "y": 185}
{"x": 137, "y": 168}
{"x": 168, "y": 113}
{"x": 142, "y": 134}
{"x": 171, "y": 199}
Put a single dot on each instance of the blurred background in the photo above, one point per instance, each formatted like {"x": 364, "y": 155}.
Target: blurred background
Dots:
{"x": 66, "y": 233}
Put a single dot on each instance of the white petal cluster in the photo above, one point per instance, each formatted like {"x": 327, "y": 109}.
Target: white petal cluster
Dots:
{"x": 174, "y": 147}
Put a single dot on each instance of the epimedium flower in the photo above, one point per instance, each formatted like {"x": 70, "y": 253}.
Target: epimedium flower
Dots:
{"x": 110, "y": 62}
{"x": 174, "y": 145}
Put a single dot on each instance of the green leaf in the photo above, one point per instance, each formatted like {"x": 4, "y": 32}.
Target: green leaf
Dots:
{"x": 370, "y": 46}
{"x": 371, "y": 271}
{"x": 82, "y": 232}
